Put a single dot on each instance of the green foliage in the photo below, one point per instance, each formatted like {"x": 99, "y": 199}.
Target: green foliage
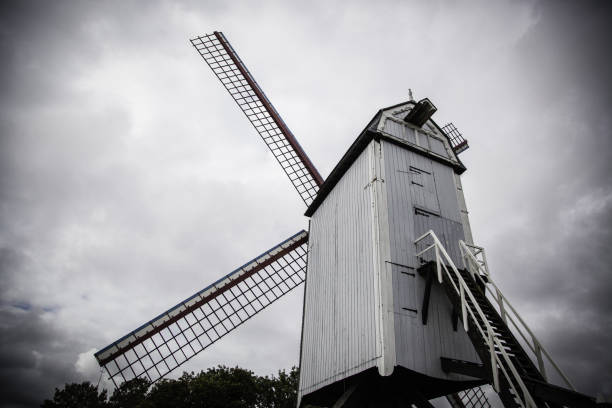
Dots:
{"x": 281, "y": 391}
{"x": 130, "y": 394}
{"x": 169, "y": 393}
{"x": 83, "y": 395}
{"x": 223, "y": 387}
{"x": 219, "y": 387}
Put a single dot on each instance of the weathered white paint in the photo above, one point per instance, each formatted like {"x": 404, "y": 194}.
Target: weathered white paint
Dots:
{"x": 381, "y": 253}
{"x": 363, "y": 297}
{"x": 427, "y": 138}
{"x": 342, "y": 327}
{"x": 419, "y": 347}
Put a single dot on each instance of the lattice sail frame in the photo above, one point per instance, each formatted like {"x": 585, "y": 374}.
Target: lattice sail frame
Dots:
{"x": 472, "y": 398}
{"x": 457, "y": 141}
{"x": 161, "y": 345}
{"x": 236, "y": 78}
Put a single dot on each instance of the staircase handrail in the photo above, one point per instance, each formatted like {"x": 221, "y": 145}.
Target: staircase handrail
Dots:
{"x": 470, "y": 253}
{"x": 489, "y": 337}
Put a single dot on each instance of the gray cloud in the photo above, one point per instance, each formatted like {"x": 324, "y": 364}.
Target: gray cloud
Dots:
{"x": 128, "y": 179}
{"x": 550, "y": 212}
{"x": 36, "y": 355}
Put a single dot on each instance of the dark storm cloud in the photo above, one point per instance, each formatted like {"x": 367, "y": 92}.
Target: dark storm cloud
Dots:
{"x": 557, "y": 269}
{"x": 46, "y": 177}
{"x": 26, "y": 371}
{"x": 32, "y": 35}
{"x": 35, "y": 354}
{"x": 564, "y": 57}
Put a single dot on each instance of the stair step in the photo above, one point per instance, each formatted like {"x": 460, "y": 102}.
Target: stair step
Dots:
{"x": 505, "y": 339}
{"x": 512, "y": 346}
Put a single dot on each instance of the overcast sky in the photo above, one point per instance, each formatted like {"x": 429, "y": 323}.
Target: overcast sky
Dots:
{"x": 129, "y": 179}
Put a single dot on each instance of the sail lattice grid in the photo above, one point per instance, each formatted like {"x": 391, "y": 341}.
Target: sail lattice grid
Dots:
{"x": 457, "y": 141}
{"x": 233, "y": 74}
{"x": 472, "y": 398}
{"x": 164, "y": 343}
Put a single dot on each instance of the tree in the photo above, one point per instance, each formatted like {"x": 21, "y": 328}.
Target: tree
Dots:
{"x": 224, "y": 387}
{"x": 218, "y": 387}
{"x": 83, "y": 395}
{"x": 169, "y": 393}
{"x": 130, "y": 394}
{"x": 279, "y": 392}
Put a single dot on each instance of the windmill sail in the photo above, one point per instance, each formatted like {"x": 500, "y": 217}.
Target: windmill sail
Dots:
{"x": 177, "y": 335}
{"x": 235, "y": 77}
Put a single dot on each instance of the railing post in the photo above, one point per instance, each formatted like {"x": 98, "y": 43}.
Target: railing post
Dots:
{"x": 538, "y": 353}
{"x": 470, "y": 267}
{"x": 502, "y": 309}
{"x": 439, "y": 267}
{"x": 463, "y": 308}
{"x": 493, "y": 360}
{"x": 486, "y": 264}
{"x": 500, "y": 361}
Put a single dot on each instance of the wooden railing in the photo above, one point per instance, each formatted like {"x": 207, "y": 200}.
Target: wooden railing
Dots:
{"x": 500, "y": 360}
{"x": 476, "y": 261}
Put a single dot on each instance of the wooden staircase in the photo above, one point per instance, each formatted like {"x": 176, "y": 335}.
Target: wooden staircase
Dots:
{"x": 512, "y": 372}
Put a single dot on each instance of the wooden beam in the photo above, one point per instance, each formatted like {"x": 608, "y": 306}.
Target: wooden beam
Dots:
{"x": 455, "y": 318}
{"x": 559, "y": 395}
{"x": 451, "y": 365}
{"x": 428, "y": 283}
{"x": 343, "y": 400}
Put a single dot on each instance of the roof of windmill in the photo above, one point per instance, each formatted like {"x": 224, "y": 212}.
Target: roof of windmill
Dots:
{"x": 371, "y": 132}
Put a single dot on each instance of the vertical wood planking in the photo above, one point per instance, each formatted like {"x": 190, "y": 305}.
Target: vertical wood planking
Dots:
{"x": 339, "y": 324}
{"x": 419, "y": 347}
{"x": 347, "y": 286}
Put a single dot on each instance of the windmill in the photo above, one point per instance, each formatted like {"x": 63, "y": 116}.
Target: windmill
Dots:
{"x": 390, "y": 271}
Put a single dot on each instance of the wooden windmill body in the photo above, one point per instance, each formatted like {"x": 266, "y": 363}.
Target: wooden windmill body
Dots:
{"x": 390, "y": 269}
{"x": 364, "y": 297}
